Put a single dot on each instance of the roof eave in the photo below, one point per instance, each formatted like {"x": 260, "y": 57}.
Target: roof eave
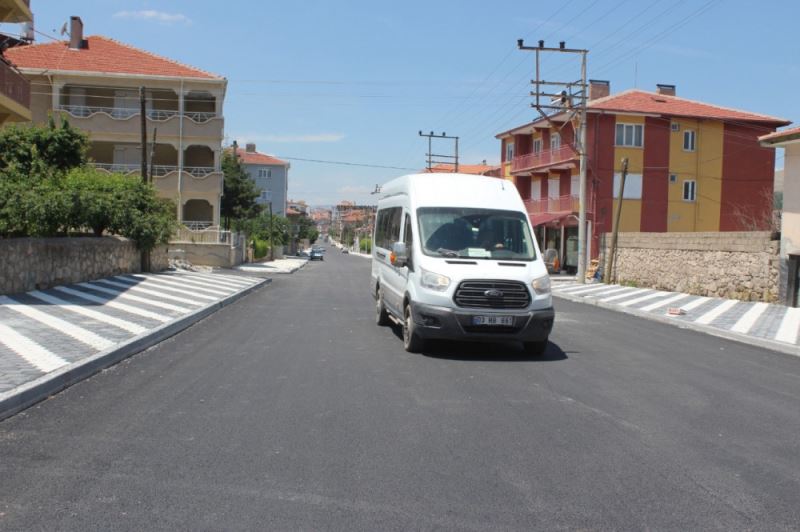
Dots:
{"x": 118, "y": 75}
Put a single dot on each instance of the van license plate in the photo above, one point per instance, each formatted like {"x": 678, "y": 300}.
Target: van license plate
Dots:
{"x": 503, "y": 321}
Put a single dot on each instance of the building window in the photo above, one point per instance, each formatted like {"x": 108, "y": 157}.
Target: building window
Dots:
{"x": 575, "y": 186}
{"x": 689, "y": 190}
{"x": 688, "y": 140}
{"x": 673, "y": 178}
{"x": 262, "y": 172}
{"x": 631, "y": 135}
{"x": 555, "y": 141}
{"x": 554, "y": 187}
{"x": 536, "y": 189}
{"x": 537, "y": 145}
{"x": 633, "y": 186}
{"x": 509, "y": 151}
{"x": 269, "y": 172}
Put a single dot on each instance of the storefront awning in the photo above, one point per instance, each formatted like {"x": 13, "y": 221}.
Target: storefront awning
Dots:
{"x": 552, "y": 218}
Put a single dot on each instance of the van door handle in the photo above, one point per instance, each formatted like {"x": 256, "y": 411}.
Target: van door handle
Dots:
{"x": 380, "y": 255}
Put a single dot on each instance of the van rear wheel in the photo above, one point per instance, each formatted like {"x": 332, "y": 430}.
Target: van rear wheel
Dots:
{"x": 411, "y": 340}
{"x": 381, "y": 315}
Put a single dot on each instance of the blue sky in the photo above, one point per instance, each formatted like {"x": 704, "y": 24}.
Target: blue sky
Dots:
{"x": 354, "y": 81}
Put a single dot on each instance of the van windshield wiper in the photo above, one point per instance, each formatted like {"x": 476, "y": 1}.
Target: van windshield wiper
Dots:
{"x": 447, "y": 252}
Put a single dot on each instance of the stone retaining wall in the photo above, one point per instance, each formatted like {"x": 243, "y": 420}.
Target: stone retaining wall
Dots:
{"x": 39, "y": 263}
{"x": 741, "y": 265}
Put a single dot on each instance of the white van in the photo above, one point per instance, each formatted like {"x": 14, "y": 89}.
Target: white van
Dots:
{"x": 454, "y": 258}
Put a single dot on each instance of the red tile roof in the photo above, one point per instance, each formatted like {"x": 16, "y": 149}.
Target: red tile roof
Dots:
{"x": 474, "y": 169}
{"x": 102, "y": 55}
{"x": 639, "y": 101}
{"x": 249, "y": 157}
{"x": 780, "y": 136}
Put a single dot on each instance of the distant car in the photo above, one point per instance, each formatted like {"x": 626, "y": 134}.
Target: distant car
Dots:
{"x": 316, "y": 254}
{"x": 345, "y": 250}
{"x": 303, "y": 253}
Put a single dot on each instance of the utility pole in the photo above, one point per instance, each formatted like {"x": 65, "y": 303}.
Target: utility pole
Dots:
{"x": 430, "y": 155}
{"x": 271, "y": 234}
{"x": 613, "y": 249}
{"x": 558, "y": 97}
{"x": 153, "y": 152}
{"x": 143, "y": 115}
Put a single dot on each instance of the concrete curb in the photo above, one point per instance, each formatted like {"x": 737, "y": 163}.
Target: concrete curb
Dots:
{"x": 721, "y": 333}
{"x": 26, "y": 395}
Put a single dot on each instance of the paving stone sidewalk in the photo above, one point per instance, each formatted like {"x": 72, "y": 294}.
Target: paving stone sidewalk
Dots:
{"x": 767, "y": 325}
{"x": 46, "y": 331}
{"x": 284, "y": 265}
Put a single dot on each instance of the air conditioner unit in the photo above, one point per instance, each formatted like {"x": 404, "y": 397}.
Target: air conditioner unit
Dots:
{"x": 675, "y": 126}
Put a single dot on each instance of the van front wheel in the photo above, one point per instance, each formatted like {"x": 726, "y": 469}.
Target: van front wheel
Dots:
{"x": 381, "y": 316}
{"x": 411, "y": 340}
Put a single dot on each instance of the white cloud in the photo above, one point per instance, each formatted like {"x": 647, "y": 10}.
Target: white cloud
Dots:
{"x": 155, "y": 16}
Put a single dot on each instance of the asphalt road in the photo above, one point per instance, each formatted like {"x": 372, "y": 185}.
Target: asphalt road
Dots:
{"x": 291, "y": 410}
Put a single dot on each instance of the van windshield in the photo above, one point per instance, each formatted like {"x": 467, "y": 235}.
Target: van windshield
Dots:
{"x": 475, "y": 233}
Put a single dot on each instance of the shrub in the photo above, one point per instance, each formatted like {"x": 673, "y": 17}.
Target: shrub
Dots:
{"x": 366, "y": 245}
{"x": 260, "y": 248}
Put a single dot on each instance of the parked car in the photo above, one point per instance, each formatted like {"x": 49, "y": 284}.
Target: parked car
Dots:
{"x": 303, "y": 253}
{"x": 316, "y": 254}
{"x": 345, "y": 251}
{"x": 454, "y": 258}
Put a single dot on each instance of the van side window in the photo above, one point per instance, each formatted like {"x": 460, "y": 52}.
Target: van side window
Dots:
{"x": 387, "y": 227}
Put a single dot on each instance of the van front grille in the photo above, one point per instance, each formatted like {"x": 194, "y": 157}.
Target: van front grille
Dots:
{"x": 492, "y": 294}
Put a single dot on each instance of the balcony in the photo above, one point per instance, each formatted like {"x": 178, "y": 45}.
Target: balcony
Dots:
{"x": 547, "y": 159}
{"x": 552, "y": 205}
{"x": 159, "y": 170}
{"x": 15, "y": 95}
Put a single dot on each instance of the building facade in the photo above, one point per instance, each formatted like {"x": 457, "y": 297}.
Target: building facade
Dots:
{"x": 94, "y": 83}
{"x": 15, "y": 90}
{"x": 692, "y": 166}
{"x": 270, "y": 175}
{"x": 789, "y": 139}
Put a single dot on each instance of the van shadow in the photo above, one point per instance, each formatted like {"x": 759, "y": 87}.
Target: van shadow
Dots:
{"x": 485, "y": 351}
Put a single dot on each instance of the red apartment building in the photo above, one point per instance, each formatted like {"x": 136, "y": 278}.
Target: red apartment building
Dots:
{"x": 692, "y": 166}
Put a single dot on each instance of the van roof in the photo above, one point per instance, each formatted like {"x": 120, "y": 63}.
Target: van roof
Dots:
{"x": 455, "y": 190}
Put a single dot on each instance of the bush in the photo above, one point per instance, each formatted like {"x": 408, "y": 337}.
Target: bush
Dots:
{"x": 260, "y": 248}
{"x": 366, "y": 245}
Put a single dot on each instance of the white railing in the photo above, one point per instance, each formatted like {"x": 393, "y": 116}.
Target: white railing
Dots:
{"x": 159, "y": 170}
{"x": 123, "y": 113}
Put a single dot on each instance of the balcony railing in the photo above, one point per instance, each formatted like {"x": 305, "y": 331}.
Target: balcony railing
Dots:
{"x": 123, "y": 113}
{"x": 544, "y": 158}
{"x": 549, "y": 205}
{"x": 159, "y": 170}
{"x": 14, "y": 85}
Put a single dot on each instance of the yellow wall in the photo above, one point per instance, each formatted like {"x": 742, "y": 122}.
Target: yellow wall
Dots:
{"x": 631, "y": 218}
{"x": 703, "y": 165}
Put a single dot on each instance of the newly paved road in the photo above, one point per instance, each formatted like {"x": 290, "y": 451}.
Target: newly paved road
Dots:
{"x": 291, "y": 410}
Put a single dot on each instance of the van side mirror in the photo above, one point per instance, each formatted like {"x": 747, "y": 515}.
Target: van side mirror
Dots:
{"x": 399, "y": 255}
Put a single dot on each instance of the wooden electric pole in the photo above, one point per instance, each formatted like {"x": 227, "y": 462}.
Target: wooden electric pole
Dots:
{"x": 612, "y": 251}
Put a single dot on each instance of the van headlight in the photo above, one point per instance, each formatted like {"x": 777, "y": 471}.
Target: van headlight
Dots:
{"x": 433, "y": 281}
{"x": 541, "y": 285}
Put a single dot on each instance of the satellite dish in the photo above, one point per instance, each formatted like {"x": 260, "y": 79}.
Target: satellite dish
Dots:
{"x": 64, "y": 29}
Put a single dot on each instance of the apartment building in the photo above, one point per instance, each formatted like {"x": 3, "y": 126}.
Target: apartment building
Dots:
{"x": 15, "y": 90}
{"x": 789, "y": 140}
{"x": 692, "y": 166}
{"x": 94, "y": 83}
{"x": 270, "y": 175}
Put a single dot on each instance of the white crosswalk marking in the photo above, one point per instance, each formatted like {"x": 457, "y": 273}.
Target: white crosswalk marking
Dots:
{"x": 160, "y": 279}
{"x": 643, "y": 298}
{"x": 749, "y": 318}
{"x": 213, "y": 280}
{"x": 155, "y": 293}
{"x": 89, "y": 313}
{"x": 232, "y": 279}
{"x": 29, "y": 350}
{"x": 629, "y": 292}
{"x": 157, "y": 285}
{"x": 664, "y": 302}
{"x": 696, "y": 303}
{"x": 79, "y": 333}
{"x": 716, "y": 312}
{"x": 117, "y": 293}
{"x": 208, "y": 285}
{"x": 589, "y": 289}
{"x": 787, "y": 332}
{"x": 114, "y": 304}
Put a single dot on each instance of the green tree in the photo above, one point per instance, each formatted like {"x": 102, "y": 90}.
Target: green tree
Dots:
{"x": 240, "y": 192}
{"x": 307, "y": 229}
{"x": 59, "y": 148}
